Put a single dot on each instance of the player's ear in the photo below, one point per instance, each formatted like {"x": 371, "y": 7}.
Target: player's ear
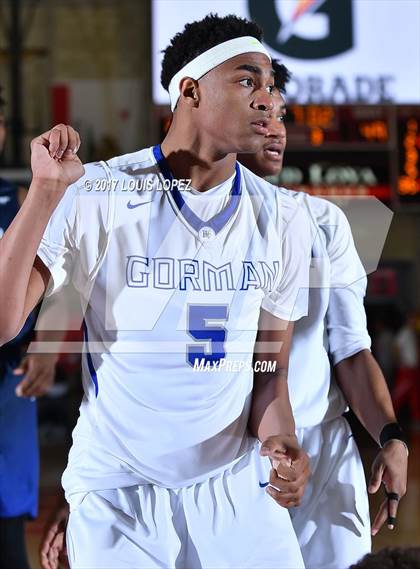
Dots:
{"x": 189, "y": 91}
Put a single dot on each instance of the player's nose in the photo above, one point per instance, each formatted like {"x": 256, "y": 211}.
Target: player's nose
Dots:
{"x": 263, "y": 101}
{"x": 276, "y": 129}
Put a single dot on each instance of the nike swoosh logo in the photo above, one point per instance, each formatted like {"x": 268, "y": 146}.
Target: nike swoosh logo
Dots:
{"x": 134, "y": 205}
{"x": 263, "y": 484}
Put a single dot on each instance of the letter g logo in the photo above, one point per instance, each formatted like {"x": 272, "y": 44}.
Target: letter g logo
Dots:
{"x": 305, "y": 29}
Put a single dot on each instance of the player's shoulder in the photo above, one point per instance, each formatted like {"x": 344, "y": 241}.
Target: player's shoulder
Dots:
{"x": 94, "y": 172}
{"x": 133, "y": 163}
{"x": 322, "y": 210}
{"x": 273, "y": 199}
{"x": 329, "y": 219}
{"x": 103, "y": 177}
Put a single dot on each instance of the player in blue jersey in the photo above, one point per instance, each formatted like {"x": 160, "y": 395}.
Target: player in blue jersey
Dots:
{"x": 22, "y": 379}
{"x": 189, "y": 298}
{"x": 332, "y": 523}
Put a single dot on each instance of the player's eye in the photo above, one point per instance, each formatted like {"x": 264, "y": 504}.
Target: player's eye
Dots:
{"x": 270, "y": 89}
{"x": 247, "y": 82}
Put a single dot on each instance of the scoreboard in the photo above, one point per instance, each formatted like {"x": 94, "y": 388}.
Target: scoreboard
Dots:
{"x": 354, "y": 150}
{"x": 408, "y": 185}
{"x": 325, "y": 124}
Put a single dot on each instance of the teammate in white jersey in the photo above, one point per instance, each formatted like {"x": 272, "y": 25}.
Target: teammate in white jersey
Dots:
{"x": 332, "y": 523}
{"x": 165, "y": 468}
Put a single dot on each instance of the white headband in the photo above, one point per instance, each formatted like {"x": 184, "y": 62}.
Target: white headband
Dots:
{"x": 211, "y": 58}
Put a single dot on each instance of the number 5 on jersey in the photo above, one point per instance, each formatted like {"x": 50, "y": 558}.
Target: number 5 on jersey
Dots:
{"x": 206, "y": 322}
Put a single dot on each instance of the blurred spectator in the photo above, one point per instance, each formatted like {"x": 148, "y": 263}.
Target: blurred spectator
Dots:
{"x": 391, "y": 558}
{"x": 407, "y": 380}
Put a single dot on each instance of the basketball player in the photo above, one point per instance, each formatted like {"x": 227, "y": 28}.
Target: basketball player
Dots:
{"x": 177, "y": 286}
{"x": 23, "y": 377}
{"x": 332, "y": 523}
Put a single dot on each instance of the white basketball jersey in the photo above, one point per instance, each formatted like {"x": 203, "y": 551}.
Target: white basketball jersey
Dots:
{"x": 335, "y": 327}
{"x": 168, "y": 292}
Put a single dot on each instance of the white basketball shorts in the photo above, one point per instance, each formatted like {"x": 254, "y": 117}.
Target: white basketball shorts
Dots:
{"x": 332, "y": 524}
{"x": 228, "y": 521}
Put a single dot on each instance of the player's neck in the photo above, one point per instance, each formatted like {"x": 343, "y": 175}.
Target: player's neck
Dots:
{"x": 192, "y": 158}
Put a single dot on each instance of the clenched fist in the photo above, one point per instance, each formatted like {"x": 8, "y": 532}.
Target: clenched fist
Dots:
{"x": 54, "y": 156}
{"x": 290, "y": 469}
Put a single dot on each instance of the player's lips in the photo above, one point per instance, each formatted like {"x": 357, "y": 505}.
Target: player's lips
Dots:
{"x": 273, "y": 151}
{"x": 260, "y": 126}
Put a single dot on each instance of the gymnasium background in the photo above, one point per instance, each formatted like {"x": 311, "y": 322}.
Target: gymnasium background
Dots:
{"x": 353, "y": 136}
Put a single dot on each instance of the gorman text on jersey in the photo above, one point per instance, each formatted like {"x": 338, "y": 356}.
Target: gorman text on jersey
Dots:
{"x": 193, "y": 274}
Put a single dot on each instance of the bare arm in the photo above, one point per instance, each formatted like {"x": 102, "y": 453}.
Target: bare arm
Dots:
{"x": 17, "y": 256}
{"x": 271, "y": 413}
{"x": 366, "y": 391}
{"x": 23, "y": 277}
{"x": 363, "y": 384}
{"x": 271, "y": 419}
{"x": 38, "y": 365}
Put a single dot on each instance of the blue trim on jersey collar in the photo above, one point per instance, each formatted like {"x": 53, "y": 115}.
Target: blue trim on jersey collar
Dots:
{"x": 218, "y": 221}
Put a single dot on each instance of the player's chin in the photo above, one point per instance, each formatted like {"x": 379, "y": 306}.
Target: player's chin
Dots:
{"x": 249, "y": 144}
{"x": 270, "y": 168}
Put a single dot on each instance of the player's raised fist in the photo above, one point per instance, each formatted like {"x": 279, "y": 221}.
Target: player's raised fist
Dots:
{"x": 54, "y": 155}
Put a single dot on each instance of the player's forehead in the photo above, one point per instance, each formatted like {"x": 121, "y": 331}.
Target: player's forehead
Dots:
{"x": 253, "y": 62}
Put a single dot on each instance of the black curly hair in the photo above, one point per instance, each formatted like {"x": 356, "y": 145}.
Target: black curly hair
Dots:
{"x": 281, "y": 75}
{"x": 198, "y": 37}
{"x": 391, "y": 558}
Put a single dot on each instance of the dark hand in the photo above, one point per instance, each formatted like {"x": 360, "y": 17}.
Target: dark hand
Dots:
{"x": 39, "y": 370}
{"x": 52, "y": 549}
{"x": 290, "y": 472}
{"x": 54, "y": 156}
{"x": 389, "y": 468}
